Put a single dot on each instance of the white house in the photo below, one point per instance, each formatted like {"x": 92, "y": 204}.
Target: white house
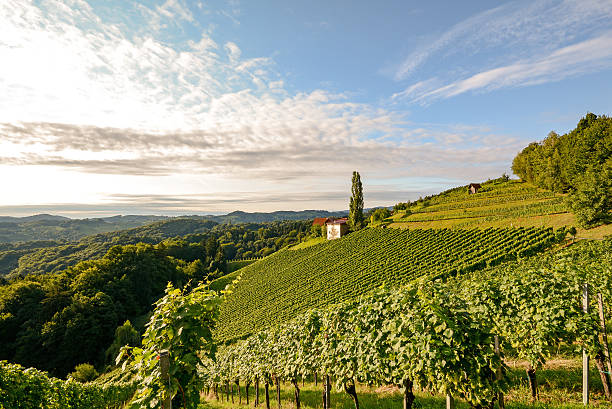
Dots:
{"x": 336, "y": 228}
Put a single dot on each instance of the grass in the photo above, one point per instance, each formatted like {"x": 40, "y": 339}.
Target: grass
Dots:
{"x": 220, "y": 283}
{"x": 234, "y": 265}
{"x": 308, "y": 243}
{"x": 559, "y": 381}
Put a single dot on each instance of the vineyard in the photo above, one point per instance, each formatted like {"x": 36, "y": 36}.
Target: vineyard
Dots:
{"x": 279, "y": 287}
{"x": 548, "y": 206}
{"x": 31, "y": 388}
{"x": 499, "y": 203}
{"x": 439, "y": 338}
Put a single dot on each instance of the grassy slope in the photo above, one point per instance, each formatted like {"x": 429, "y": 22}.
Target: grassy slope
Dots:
{"x": 559, "y": 386}
{"x": 308, "y": 243}
{"x": 234, "y": 265}
{"x": 509, "y": 204}
{"x": 220, "y": 283}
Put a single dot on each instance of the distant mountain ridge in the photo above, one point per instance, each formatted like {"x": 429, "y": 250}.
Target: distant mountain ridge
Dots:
{"x": 59, "y": 228}
{"x": 261, "y": 217}
{"x": 36, "y": 217}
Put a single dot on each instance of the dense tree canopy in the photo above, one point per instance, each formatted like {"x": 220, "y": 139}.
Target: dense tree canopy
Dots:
{"x": 579, "y": 162}
{"x": 186, "y": 239}
{"x": 57, "y": 320}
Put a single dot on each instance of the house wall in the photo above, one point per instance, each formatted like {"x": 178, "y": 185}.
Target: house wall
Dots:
{"x": 333, "y": 231}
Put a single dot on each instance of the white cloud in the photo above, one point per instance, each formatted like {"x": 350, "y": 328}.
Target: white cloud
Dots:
{"x": 516, "y": 30}
{"x": 517, "y": 44}
{"x": 175, "y": 9}
{"x": 584, "y": 57}
{"x": 82, "y": 97}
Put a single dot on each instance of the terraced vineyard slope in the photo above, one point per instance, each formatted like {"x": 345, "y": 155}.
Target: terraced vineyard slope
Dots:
{"x": 277, "y": 288}
{"x": 499, "y": 203}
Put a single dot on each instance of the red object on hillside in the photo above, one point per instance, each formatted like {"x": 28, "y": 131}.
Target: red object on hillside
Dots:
{"x": 320, "y": 221}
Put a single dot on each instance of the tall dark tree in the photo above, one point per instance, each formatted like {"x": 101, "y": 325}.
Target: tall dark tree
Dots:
{"x": 356, "y": 203}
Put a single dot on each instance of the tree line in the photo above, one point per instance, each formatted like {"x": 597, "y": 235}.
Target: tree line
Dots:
{"x": 579, "y": 163}
{"x": 57, "y": 320}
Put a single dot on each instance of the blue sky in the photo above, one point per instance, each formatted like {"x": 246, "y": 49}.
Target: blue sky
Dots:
{"x": 184, "y": 107}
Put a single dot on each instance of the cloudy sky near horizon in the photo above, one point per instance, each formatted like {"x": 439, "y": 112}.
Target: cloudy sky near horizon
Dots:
{"x": 195, "y": 107}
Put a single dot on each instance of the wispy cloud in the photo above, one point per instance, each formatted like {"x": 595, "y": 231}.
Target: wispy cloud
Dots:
{"x": 271, "y": 150}
{"x": 585, "y": 57}
{"x": 90, "y": 97}
{"x": 516, "y": 44}
{"x": 66, "y": 64}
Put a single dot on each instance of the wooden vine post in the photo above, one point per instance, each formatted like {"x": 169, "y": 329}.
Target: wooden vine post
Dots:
{"x": 603, "y": 359}
{"x": 585, "y": 356}
{"x": 602, "y": 322}
{"x": 450, "y": 401}
{"x": 499, "y": 375}
{"x": 164, "y": 365}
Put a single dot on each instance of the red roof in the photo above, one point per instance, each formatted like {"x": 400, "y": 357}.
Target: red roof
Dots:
{"x": 320, "y": 221}
{"x": 343, "y": 220}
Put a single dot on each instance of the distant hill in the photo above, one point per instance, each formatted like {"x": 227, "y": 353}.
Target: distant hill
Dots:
{"x": 237, "y": 241}
{"x": 50, "y": 227}
{"x": 34, "y": 218}
{"x": 39, "y": 257}
{"x": 261, "y": 217}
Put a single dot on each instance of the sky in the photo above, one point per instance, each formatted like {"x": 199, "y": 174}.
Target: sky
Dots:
{"x": 197, "y": 107}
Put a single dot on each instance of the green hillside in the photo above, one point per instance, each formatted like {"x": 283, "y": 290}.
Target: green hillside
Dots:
{"x": 43, "y": 257}
{"x": 499, "y": 203}
{"x": 47, "y": 227}
{"x": 284, "y": 284}
{"x": 237, "y": 241}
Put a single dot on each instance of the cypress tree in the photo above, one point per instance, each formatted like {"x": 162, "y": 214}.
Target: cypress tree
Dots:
{"x": 356, "y": 203}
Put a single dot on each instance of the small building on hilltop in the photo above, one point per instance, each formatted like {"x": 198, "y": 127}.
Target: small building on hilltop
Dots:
{"x": 336, "y": 228}
{"x": 473, "y": 188}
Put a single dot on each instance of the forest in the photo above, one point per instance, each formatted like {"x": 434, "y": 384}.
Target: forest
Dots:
{"x": 244, "y": 240}
{"x": 54, "y": 319}
{"x": 579, "y": 163}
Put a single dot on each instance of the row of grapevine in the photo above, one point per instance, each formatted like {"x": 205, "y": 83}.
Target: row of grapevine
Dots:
{"x": 438, "y": 336}
{"x": 22, "y": 388}
{"x": 481, "y": 201}
{"x": 487, "y": 191}
{"x": 289, "y": 282}
{"x": 550, "y": 206}
{"x": 416, "y": 337}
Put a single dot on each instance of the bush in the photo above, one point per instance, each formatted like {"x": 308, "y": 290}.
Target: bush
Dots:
{"x": 591, "y": 202}
{"x": 401, "y": 206}
{"x": 380, "y": 214}
{"x": 84, "y": 373}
